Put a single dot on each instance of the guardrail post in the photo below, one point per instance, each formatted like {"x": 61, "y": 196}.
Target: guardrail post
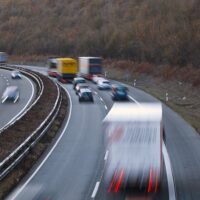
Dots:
{"x": 167, "y": 98}
{"x": 134, "y": 84}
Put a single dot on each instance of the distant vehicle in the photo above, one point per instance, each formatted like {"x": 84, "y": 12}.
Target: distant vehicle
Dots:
{"x": 103, "y": 84}
{"x": 85, "y": 94}
{"x": 3, "y": 58}
{"x": 119, "y": 92}
{"x": 89, "y": 66}
{"x": 16, "y": 75}
{"x": 96, "y": 78}
{"x": 78, "y": 80}
{"x": 80, "y": 86}
{"x": 11, "y": 93}
{"x": 133, "y": 139}
{"x": 52, "y": 70}
{"x": 67, "y": 69}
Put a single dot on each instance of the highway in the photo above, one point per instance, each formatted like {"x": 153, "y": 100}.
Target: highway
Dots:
{"x": 10, "y": 111}
{"x": 73, "y": 167}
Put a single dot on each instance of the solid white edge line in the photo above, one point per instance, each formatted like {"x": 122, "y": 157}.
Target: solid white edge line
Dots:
{"x": 170, "y": 180}
{"x": 33, "y": 91}
{"x": 95, "y": 189}
{"x": 168, "y": 168}
{"x": 106, "y": 155}
{"x": 14, "y": 196}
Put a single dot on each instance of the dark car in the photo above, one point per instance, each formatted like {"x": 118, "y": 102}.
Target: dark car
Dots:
{"x": 80, "y": 86}
{"x": 119, "y": 92}
{"x": 85, "y": 94}
{"x": 11, "y": 93}
{"x": 78, "y": 80}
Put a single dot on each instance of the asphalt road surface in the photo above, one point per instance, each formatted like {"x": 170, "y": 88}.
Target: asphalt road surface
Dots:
{"x": 73, "y": 167}
{"x": 9, "y": 110}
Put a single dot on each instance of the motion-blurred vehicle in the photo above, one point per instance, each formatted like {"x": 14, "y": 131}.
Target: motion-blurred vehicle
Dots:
{"x": 16, "y": 75}
{"x": 90, "y": 66}
{"x": 133, "y": 138}
{"x": 80, "y": 86}
{"x": 67, "y": 69}
{"x": 119, "y": 92}
{"x": 85, "y": 94}
{"x": 3, "y": 58}
{"x": 78, "y": 80}
{"x": 103, "y": 84}
{"x": 11, "y": 93}
{"x": 52, "y": 70}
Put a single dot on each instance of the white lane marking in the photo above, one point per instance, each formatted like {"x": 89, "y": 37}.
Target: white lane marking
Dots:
{"x": 106, "y": 155}
{"x": 170, "y": 180}
{"x": 100, "y": 98}
{"x": 3, "y": 100}
{"x": 33, "y": 91}
{"x": 130, "y": 97}
{"x": 95, "y": 92}
{"x": 14, "y": 196}
{"x": 95, "y": 189}
{"x": 106, "y": 107}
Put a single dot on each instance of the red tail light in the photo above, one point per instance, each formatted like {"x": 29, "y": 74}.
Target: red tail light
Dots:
{"x": 112, "y": 182}
{"x": 117, "y": 186}
{"x": 150, "y": 180}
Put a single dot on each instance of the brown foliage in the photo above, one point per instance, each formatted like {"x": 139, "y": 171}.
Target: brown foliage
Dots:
{"x": 153, "y": 31}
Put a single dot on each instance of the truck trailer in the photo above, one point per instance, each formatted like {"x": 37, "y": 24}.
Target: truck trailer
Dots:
{"x": 3, "y": 58}
{"x": 89, "y": 66}
{"x": 133, "y": 139}
{"x": 66, "y": 68}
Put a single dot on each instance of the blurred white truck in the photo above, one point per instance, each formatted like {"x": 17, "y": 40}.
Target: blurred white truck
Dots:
{"x": 133, "y": 137}
{"x": 90, "y": 66}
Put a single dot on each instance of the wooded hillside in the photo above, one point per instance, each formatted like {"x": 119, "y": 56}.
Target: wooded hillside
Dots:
{"x": 158, "y": 31}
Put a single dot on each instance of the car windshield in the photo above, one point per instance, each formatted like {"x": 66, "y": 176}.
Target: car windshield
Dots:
{"x": 121, "y": 89}
{"x": 105, "y": 82}
{"x": 86, "y": 94}
{"x": 81, "y": 81}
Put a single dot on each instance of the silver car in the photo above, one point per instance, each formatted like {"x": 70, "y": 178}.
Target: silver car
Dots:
{"x": 16, "y": 75}
{"x": 103, "y": 84}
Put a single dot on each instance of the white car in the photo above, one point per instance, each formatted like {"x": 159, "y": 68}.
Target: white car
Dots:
{"x": 103, "y": 84}
{"x": 16, "y": 75}
{"x": 96, "y": 78}
{"x": 11, "y": 93}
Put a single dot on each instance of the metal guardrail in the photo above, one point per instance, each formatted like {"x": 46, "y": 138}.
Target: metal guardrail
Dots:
{"x": 22, "y": 150}
{"x": 39, "y": 82}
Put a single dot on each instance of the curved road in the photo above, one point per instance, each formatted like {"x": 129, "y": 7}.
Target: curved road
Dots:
{"x": 9, "y": 111}
{"x": 73, "y": 167}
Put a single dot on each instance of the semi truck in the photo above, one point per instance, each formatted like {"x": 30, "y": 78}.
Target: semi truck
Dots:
{"x": 133, "y": 139}
{"x": 89, "y": 66}
{"x": 52, "y": 69}
{"x": 66, "y": 69}
{"x": 3, "y": 58}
